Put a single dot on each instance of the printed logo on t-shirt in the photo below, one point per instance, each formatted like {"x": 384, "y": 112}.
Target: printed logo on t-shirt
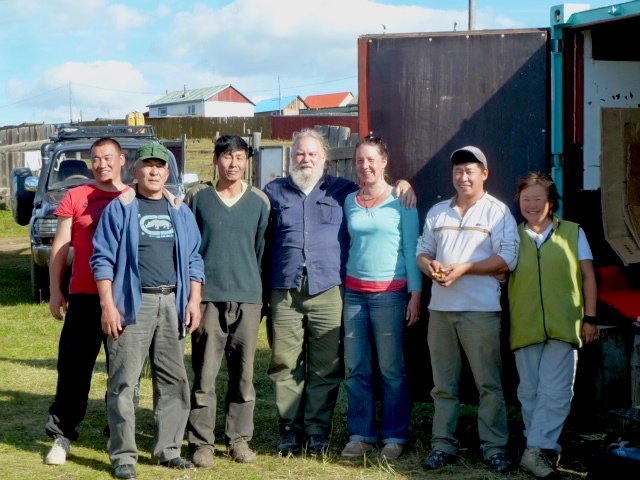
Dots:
{"x": 158, "y": 226}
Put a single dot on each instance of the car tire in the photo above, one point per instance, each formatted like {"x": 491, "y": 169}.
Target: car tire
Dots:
{"x": 39, "y": 282}
{"x": 21, "y": 199}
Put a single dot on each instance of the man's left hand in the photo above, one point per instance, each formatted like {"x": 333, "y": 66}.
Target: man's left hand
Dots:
{"x": 453, "y": 273}
{"x": 590, "y": 333}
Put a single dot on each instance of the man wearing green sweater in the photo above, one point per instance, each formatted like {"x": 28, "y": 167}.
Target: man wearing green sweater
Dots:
{"x": 232, "y": 217}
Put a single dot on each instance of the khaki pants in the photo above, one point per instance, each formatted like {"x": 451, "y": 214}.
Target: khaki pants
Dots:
{"x": 306, "y": 366}
{"x": 478, "y": 333}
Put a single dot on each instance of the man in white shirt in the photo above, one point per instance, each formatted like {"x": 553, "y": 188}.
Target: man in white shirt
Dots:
{"x": 468, "y": 242}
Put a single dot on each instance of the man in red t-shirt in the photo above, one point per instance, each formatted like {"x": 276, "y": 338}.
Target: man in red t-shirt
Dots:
{"x": 82, "y": 335}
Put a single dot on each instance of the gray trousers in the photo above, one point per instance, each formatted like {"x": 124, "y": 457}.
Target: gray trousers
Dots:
{"x": 227, "y": 329}
{"x": 156, "y": 333}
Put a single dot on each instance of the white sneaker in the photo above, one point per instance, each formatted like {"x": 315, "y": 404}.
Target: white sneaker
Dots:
{"x": 58, "y": 453}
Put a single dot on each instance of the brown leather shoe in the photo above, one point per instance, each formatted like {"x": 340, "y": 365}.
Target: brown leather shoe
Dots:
{"x": 356, "y": 449}
{"x": 241, "y": 453}
{"x": 391, "y": 451}
{"x": 203, "y": 457}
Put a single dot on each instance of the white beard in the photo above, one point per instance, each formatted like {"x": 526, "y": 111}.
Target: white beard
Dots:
{"x": 303, "y": 180}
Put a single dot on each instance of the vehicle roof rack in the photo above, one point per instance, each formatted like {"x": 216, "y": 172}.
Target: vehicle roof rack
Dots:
{"x": 116, "y": 131}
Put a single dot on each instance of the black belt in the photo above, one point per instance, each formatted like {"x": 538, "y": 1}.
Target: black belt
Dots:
{"x": 161, "y": 290}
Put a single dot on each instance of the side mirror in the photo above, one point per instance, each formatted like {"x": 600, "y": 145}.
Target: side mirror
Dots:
{"x": 31, "y": 184}
{"x": 21, "y": 196}
{"x": 190, "y": 179}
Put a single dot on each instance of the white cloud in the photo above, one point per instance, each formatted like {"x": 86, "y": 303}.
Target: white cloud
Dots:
{"x": 506, "y": 22}
{"x": 71, "y": 16}
{"x": 301, "y": 41}
{"x": 163, "y": 11}
{"x": 106, "y": 45}
{"x": 97, "y": 89}
{"x": 123, "y": 18}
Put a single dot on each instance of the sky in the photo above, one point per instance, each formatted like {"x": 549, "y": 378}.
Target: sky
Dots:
{"x": 85, "y": 59}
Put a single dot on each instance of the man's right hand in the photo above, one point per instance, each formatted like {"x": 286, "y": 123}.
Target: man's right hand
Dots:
{"x": 436, "y": 271}
{"x": 111, "y": 324}
{"x": 57, "y": 302}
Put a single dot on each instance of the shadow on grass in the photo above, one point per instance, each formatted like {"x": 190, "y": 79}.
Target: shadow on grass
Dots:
{"x": 23, "y": 420}
{"x": 50, "y": 363}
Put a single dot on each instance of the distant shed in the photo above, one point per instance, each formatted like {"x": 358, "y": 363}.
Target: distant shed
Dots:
{"x": 290, "y": 105}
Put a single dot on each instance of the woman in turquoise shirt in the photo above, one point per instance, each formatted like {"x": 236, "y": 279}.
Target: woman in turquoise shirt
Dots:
{"x": 381, "y": 274}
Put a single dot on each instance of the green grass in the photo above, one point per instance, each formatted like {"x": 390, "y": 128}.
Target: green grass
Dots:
{"x": 8, "y": 227}
{"x": 28, "y": 352}
{"x": 200, "y": 156}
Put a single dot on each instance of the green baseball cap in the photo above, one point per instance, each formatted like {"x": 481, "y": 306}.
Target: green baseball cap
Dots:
{"x": 152, "y": 150}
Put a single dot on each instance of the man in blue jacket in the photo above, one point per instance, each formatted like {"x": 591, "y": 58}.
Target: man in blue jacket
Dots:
{"x": 149, "y": 275}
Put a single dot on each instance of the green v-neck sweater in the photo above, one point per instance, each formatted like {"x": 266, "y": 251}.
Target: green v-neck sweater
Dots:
{"x": 545, "y": 289}
{"x": 232, "y": 243}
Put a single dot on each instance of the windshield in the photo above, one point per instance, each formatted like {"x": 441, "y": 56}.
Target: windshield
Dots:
{"x": 72, "y": 167}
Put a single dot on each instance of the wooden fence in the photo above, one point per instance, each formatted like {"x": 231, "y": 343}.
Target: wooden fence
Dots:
{"x": 283, "y": 127}
{"x": 342, "y": 151}
{"x": 15, "y": 141}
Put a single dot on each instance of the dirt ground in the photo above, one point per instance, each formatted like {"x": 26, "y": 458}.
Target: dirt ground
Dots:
{"x": 14, "y": 244}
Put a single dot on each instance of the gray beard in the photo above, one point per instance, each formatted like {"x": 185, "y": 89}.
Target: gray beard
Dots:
{"x": 302, "y": 181}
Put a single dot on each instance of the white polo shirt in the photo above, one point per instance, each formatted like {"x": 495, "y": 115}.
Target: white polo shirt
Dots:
{"x": 487, "y": 229}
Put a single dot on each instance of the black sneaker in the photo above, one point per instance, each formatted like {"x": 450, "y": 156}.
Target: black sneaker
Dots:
{"x": 438, "y": 459}
{"x": 289, "y": 443}
{"x": 179, "y": 463}
{"x": 318, "y": 444}
{"x": 553, "y": 456}
{"x": 500, "y": 463}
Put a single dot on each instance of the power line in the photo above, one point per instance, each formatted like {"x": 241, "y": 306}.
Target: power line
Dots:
{"x": 302, "y": 86}
{"x": 31, "y": 98}
{"x": 70, "y": 84}
{"x": 160, "y": 94}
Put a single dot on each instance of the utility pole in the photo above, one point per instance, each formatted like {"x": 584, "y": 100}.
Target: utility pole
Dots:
{"x": 279, "y": 97}
{"x": 472, "y": 14}
{"x": 70, "y": 105}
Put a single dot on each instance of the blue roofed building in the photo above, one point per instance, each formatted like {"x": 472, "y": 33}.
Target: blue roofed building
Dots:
{"x": 290, "y": 105}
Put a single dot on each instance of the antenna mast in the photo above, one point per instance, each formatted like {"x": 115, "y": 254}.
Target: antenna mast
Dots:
{"x": 70, "y": 104}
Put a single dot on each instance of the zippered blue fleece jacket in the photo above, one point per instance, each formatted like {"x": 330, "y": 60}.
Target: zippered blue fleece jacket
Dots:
{"x": 115, "y": 253}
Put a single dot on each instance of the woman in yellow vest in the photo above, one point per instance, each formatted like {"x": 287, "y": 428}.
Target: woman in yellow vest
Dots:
{"x": 552, "y": 300}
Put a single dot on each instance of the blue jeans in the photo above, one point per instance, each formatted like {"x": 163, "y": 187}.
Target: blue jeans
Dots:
{"x": 374, "y": 331}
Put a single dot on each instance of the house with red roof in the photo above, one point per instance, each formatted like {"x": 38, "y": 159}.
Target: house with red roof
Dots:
{"x": 329, "y": 100}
